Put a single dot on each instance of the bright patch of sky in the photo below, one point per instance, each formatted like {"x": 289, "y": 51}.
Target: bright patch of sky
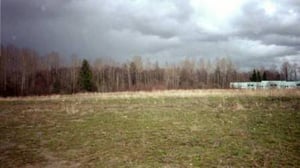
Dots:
{"x": 215, "y": 15}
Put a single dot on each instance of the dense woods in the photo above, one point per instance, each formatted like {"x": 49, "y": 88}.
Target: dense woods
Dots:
{"x": 24, "y": 72}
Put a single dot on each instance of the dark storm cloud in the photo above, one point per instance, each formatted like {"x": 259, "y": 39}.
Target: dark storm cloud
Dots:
{"x": 159, "y": 30}
{"x": 289, "y": 40}
{"x": 18, "y": 10}
{"x": 278, "y": 29}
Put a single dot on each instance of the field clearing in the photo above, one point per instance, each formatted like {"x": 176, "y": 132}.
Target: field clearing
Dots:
{"x": 165, "y": 93}
{"x": 177, "y": 128}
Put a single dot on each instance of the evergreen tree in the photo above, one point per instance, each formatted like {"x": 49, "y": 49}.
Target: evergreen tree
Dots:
{"x": 56, "y": 86}
{"x": 85, "y": 77}
{"x": 133, "y": 73}
{"x": 253, "y": 77}
{"x": 264, "y": 76}
{"x": 258, "y": 77}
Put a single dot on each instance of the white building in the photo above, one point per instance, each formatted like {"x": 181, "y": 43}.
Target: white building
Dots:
{"x": 266, "y": 85}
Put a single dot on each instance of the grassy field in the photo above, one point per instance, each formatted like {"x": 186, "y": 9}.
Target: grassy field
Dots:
{"x": 194, "y": 128}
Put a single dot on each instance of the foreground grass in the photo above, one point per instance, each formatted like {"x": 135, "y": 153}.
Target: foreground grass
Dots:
{"x": 250, "y": 130}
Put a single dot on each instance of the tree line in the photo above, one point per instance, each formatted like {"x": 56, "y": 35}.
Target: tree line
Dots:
{"x": 24, "y": 72}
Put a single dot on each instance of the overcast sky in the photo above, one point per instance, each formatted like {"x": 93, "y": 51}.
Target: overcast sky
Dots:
{"x": 251, "y": 32}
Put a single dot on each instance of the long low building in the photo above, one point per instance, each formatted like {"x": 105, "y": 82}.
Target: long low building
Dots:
{"x": 266, "y": 85}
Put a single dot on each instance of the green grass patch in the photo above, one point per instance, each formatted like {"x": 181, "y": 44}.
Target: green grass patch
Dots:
{"x": 212, "y": 131}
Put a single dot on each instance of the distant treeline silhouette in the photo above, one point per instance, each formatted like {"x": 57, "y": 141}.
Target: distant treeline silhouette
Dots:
{"x": 24, "y": 72}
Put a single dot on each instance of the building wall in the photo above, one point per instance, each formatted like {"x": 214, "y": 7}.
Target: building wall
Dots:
{"x": 265, "y": 85}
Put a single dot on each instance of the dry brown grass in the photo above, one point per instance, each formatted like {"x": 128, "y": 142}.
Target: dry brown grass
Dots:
{"x": 165, "y": 93}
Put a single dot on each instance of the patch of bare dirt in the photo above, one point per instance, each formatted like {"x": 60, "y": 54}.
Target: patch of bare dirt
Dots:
{"x": 238, "y": 106}
{"x": 54, "y": 161}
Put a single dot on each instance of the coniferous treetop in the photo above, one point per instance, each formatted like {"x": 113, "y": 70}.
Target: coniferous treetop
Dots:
{"x": 85, "y": 77}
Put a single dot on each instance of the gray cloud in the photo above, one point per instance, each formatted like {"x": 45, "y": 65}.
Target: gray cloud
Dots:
{"x": 167, "y": 31}
{"x": 280, "y": 29}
